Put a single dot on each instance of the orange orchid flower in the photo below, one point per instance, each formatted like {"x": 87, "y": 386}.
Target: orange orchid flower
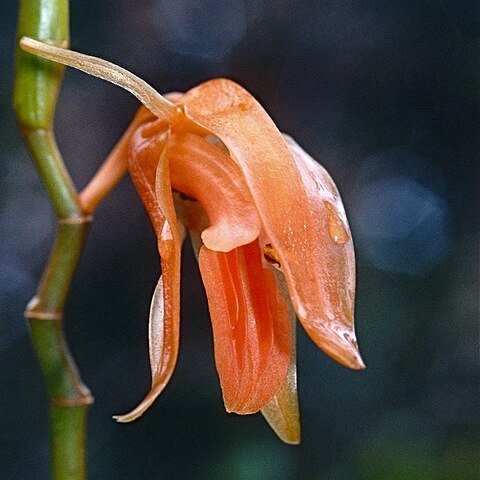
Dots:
{"x": 266, "y": 221}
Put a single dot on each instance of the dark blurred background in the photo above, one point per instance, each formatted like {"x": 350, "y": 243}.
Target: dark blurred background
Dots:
{"x": 385, "y": 95}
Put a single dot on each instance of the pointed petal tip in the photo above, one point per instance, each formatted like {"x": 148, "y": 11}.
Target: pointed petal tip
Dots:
{"x": 356, "y": 362}
{"x": 292, "y": 440}
{"x": 120, "y": 419}
{"x": 284, "y": 422}
{"x": 286, "y": 429}
{"x": 339, "y": 343}
{"x": 140, "y": 409}
{"x": 345, "y": 351}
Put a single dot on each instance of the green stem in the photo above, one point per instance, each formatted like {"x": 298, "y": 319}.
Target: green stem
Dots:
{"x": 43, "y": 148}
{"x": 68, "y": 443}
{"x": 36, "y": 87}
{"x": 69, "y": 398}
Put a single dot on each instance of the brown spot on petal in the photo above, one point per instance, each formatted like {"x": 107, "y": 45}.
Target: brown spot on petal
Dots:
{"x": 271, "y": 256}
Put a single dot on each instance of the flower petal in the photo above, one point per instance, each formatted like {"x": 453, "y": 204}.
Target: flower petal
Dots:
{"x": 250, "y": 324}
{"x": 322, "y": 291}
{"x": 282, "y": 411}
{"x": 105, "y": 70}
{"x": 205, "y": 172}
{"x": 334, "y": 260}
{"x": 150, "y": 173}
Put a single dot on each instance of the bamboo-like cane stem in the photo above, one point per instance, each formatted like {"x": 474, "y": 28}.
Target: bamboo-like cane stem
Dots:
{"x": 36, "y": 87}
{"x": 69, "y": 398}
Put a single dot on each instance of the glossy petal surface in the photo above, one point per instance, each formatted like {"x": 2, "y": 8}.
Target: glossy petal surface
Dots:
{"x": 282, "y": 412}
{"x": 251, "y": 329}
{"x": 291, "y": 206}
{"x": 334, "y": 261}
{"x": 205, "y": 172}
{"x": 150, "y": 173}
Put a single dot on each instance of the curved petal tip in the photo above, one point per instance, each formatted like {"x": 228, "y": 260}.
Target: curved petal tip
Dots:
{"x": 139, "y": 410}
